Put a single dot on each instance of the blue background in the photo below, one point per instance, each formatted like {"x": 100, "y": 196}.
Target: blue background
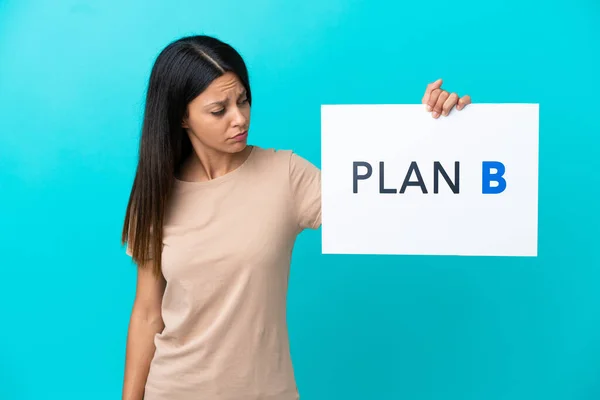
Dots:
{"x": 72, "y": 81}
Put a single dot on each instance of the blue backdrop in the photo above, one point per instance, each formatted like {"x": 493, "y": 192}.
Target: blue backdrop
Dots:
{"x": 72, "y": 81}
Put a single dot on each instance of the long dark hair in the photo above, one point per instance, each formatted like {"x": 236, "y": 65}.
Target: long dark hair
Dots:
{"x": 180, "y": 73}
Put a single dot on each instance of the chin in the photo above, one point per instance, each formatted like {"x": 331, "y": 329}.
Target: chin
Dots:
{"x": 238, "y": 147}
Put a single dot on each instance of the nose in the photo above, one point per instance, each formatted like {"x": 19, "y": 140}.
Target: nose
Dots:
{"x": 239, "y": 118}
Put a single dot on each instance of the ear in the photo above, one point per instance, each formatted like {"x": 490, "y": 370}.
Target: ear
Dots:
{"x": 184, "y": 122}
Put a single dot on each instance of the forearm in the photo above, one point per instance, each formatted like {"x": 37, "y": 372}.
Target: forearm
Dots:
{"x": 140, "y": 350}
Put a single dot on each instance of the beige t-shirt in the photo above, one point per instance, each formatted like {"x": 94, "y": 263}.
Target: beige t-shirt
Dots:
{"x": 226, "y": 259}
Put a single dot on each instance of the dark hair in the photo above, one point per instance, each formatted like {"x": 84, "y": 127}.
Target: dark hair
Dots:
{"x": 180, "y": 73}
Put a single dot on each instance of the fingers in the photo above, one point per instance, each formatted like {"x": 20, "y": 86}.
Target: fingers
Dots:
{"x": 433, "y": 98}
{"x": 463, "y": 102}
{"x": 429, "y": 90}
{"x": 438, "y": 106}
{"x": 449, "y": 104}
{"x": 440, "y": 102}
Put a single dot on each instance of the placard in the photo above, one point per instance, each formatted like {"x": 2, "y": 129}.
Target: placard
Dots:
{"x": 397, "y": 181}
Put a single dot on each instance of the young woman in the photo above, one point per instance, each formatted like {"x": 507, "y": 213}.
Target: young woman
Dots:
{"x": 211, "y": 223}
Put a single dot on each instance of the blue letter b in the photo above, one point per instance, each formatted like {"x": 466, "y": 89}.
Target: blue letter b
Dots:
{"x": 488, "y": 177}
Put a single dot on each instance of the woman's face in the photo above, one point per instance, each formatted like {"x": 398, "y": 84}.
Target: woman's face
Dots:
{"x": 218, "y": 119}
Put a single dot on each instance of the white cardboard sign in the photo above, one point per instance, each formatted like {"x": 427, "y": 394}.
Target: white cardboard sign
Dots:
{"x": 397, "y": 181}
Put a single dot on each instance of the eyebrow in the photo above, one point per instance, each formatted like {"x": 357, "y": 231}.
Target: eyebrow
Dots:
{"x": 223, "y": 102}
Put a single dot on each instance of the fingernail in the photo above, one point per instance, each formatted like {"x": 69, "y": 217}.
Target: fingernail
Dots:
{"x": 427, "y": 107}
{"x": 445, "y": 113}
{"x": 435, "y": 114}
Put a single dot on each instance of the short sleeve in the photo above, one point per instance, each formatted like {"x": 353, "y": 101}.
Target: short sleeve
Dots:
{"x": 305, "y": 184}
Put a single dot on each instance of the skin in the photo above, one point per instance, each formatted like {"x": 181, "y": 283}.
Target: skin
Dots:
{"x": 144, "y": 323}
{"x": 213, "y": 119}
{"x": 440, "y": 102}
{"x": 211, "y": 127}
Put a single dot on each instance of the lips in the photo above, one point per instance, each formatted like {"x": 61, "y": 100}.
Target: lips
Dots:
{"x": 240, "y": 136}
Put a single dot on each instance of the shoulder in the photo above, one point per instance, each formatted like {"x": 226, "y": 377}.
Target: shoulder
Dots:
{"x": 271, "y": 161}
{"x": 300, "y": 179}
{"x": 271, "y": 155}
{"x": 287, "y": 159}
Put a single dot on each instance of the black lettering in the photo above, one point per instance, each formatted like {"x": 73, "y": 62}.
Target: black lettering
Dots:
{"x": 454, "y": 186}
{"x": 413, "y": 167}
{"x": 356, "y": 177}
{"x": 381, "y": 179}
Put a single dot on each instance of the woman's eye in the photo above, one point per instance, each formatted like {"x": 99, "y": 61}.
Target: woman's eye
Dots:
{"x": 220, "y": 112}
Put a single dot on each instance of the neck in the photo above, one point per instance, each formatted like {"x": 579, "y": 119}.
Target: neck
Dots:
{"x": 206, "y": 164}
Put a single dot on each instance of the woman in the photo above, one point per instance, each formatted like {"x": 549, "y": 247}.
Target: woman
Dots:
{"x": 211, "y": 223}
